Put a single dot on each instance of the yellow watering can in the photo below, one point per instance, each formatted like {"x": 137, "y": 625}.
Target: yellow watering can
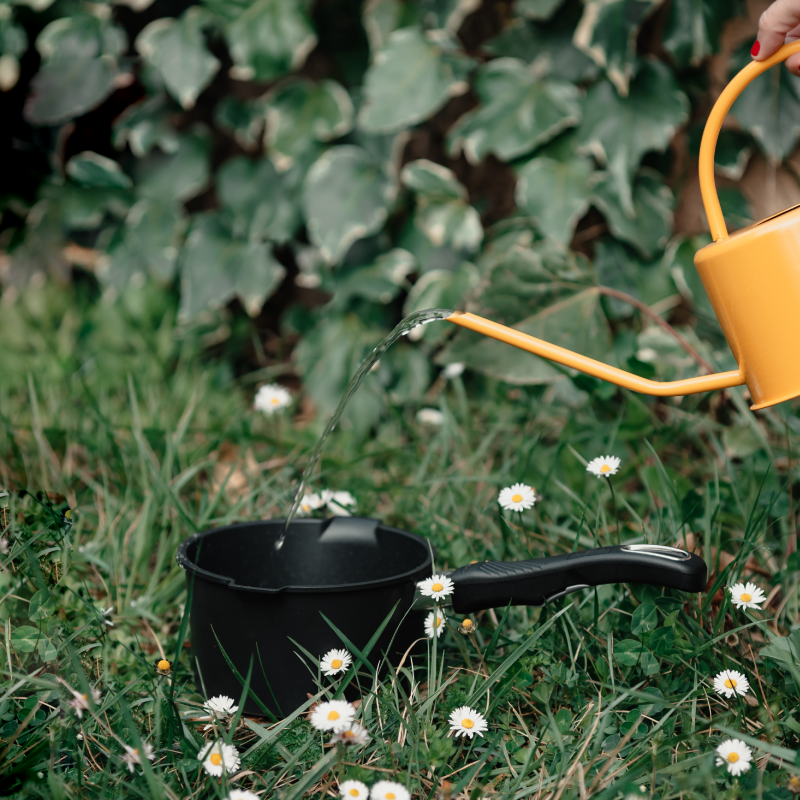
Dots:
{"x": 752, "y": 278}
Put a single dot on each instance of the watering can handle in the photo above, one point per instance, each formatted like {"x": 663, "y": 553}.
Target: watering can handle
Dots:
{"x": 708, "y": 145}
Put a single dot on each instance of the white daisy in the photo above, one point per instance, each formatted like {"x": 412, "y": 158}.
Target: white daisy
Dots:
{"x": 342, "y": 503}
{"x": 242, "y": 794}
{"x": 309, "y": 503}
{"x": 80, "y": 702}
{"x": 604, "y": 466}
{"x": 332, "y": 715}
{"x": 272, "y": 398}
{"x": 517, "y": 497}
{"x": 352, "y": 735}
{"x": 218, "y": 755}
{"x": 746, "y": 595}
{"x": 354, "y": 790}
{"x": 335, "y": 661}
{"x": 3, "y": 546}
{"x": 440, "y": 618}
{"x": 220, "y": 707}
{"x": 453, "y": 370}
{"x": 430, "y": 416}
{"x": 735, "y": 755}
{"x": 133, "y": 755}
{"x": 437, "y": 586}
{"x": 729, "y": 682}
{"x": 466, "y": 721}
{"x": 388, "y": 790}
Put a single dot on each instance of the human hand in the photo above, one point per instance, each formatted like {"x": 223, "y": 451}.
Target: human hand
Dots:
{"x": 778, "y": 24}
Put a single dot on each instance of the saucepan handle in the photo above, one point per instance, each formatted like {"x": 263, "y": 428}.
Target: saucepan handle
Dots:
{"x": 708, "y": 145}
{"x": 493, "y": 584}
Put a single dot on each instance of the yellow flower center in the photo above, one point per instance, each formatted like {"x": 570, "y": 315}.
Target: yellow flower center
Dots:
{"x": 733, "y": 757}
{"x": 517, "y": 498}
{"x": 136, "y": 751}
{"x": 746, "y": 597}
{"x": 274, "y": 401}
{"x": 163, "y": 664}
{"x": 336, "y": 663}
{"x": 354, "y": 793}
{"x": 605, "y": 468}
{"x": 389, "y": 795}
{"x": 348, "y": 735}
{"x": 85, "y": 697}
{"x": 730, "y": 683}
{"x": 467, "y": 623}
{"x": 216, "y": 759}
{"x": 333, "y": 715}
{"x": 438, "y": 621}
{"x": 467, "y": 723}
{"x": 437, "y": 587}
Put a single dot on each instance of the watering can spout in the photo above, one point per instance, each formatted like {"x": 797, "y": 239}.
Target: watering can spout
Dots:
{"x": 560, "y": 355}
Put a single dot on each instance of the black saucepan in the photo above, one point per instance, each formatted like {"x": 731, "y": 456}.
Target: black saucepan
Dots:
{"x": 251, "y": 602}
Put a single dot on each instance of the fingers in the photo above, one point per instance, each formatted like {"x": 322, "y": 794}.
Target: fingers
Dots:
{"x": 775, "y": 24}
{"x": 793, "y": 64}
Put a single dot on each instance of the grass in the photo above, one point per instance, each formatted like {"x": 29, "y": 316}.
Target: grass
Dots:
{"x": 112, "y": 412}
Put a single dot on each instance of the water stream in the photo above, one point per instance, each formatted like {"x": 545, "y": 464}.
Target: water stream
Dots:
{"x": 409, "y": 323}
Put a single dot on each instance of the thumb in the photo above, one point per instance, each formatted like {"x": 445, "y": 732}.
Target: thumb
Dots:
{"x": 782, "y": 17}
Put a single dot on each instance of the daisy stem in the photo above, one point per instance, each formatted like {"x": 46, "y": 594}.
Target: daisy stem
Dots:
{"x": 616, "y": 514}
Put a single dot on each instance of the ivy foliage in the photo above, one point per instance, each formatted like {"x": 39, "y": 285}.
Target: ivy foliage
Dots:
{"x": 362, "y": 161}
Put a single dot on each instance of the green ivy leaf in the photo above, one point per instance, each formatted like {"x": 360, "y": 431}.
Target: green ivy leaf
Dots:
{"x": 649, "y": 227}
{"x": 179, "y": 175}
{"x": 346, "y": 196}
{"x": 618, "y": 267}
{"x": 555, "y": 193}
{"x": 80, "y": 67}
{"x": 694, "y": 27}
{"x": 443, "y": 213}
{"x": 25, "y": 638}
{"x": 147, "y": 245}
{"x": 769, "y": 109}
{"x": 177, "y": 49}
{"x": 216, "y": 267}
{"x": 627, "y": 652}
{"x": 244, "y": 120}
{"x": 607, "y": 33}
{"x": 382, "y": 17}
{"x": 301, "y": 113}
{"x": 550, "y": 46}
{"x": 266, "y": 38}
{"x": 96, "y": 171}
{"x": 645, "y": 618}
{"x": 146, "y": 125}
{"x": 446, "y": 15}
{"x": 520, "y": 111}
{"x": 409, "y": 79}
{"x": 575, "y": 322}
{"x": 263, "y": 204}
{"x": 618, "y": 131}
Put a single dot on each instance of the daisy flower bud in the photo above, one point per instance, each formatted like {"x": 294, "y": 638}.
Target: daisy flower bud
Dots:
{"x": 467, "y": 627}
{"x": 216, "y": 756}
{"x": 735, "y": 755}
{"x": 604, "y": 466}
{"x": 746, "y": 595}
{"x": 333, "y": 715}
{"x": 242, "y": 794}
{"x": 466, "y": 721}
{"x": 729, "y": 682}
{"x": 437, "y": 586}
{"x": 335, "y": 661}
{"x": 430, "y": 416}
{"x": 518, "y": 497}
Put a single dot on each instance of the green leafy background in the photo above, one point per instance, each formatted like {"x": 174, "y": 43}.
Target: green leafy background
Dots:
{"x": 307, "y": 173}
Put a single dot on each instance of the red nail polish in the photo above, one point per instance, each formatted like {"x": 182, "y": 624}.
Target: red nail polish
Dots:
{"x": 755, "y": 48}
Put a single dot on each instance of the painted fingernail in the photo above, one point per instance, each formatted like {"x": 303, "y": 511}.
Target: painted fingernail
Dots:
{"x": 755, "y": 48}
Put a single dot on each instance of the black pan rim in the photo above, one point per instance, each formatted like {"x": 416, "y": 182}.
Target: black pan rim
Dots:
{"x": 192, "y": 569}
